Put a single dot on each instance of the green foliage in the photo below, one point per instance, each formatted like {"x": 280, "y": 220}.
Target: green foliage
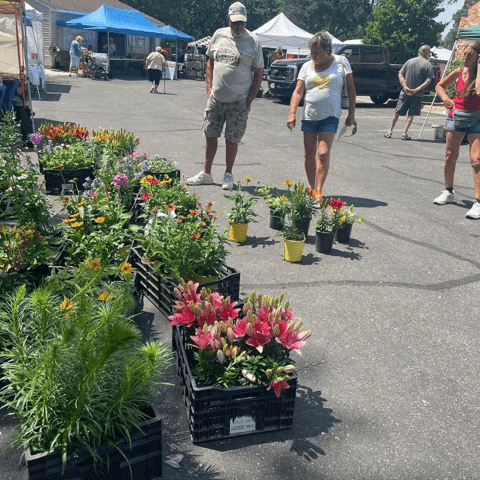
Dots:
{"x": 77, "y": 374}
{"x": 69, "y": 157}
{"x": 403, "y": 26}
{"x": 242, "y": 211}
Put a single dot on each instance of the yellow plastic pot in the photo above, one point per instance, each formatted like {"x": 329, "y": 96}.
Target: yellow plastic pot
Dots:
{"x": 238, "y": 232}
{"x": 292, "y": 250}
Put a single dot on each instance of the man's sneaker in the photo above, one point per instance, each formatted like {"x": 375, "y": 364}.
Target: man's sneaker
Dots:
{"x": 406, "y": 136}
{"x": 201, "y": 178}
{"x": 474, "y": 212}
{"x": 227, "y": 182}
{"x": 388, "y": 135}
{"x": 445, "y": 197}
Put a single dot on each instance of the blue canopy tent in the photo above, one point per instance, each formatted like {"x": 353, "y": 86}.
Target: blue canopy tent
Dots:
{"x": 116, "y": 20}
{"x": 176, "y": 35}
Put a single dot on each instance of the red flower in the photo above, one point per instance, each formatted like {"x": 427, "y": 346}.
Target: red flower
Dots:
{"x": 185, "y": 316}
{"x": 337, "y": 204}
{"x": 195, "y": 236}
{"x": 293, "y": 340}
{"x": 201, "y": 340}
{"x": 228, "y": 311}
{"x": 152, "y": 180}
{"x": 146, "y": 196}
{"x": 278, "y": 386}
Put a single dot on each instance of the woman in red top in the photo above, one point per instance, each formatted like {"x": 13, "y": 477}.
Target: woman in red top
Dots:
{"x": 467, "y": 78}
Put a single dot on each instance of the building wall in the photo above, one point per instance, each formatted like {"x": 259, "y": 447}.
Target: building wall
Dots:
{"x": 470, "y": 17}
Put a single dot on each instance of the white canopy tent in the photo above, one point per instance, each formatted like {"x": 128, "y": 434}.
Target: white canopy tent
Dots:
{"x": 281, "y": 32}
{"x": 442, "y": 54}
{"x": 34, "y": 35}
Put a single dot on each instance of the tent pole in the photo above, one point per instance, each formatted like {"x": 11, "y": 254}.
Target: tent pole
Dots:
{"x": 435, "y": 92}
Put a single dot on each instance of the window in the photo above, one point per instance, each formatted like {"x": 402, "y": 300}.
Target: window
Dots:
{"x": 374, "y": 55}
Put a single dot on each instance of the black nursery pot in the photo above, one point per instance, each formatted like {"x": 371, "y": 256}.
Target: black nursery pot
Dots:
{"x": 343, "y": 234}
{"x": 324, "y": 242}
{"x": 276, "y": 221}
{"x": 302, "y": 225}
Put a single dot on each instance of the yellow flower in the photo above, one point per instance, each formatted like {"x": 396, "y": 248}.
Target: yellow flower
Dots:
{"x": 66, "y": 305}
{"x": 66, "y": 315}
{"x": 76, "y": 224}
{"x": 67, "y": 220}
{"x": 74, "y": 215}
{"x": 83, "y": 202}
{"x": 99, "y": 219}
{"x": 105, "y": 296}
{"x": 289, "y": 183}
{"x": 126, "y": 268}
{"x": 359, "y": 220}
{"x": 248, "y": 179}
{"x": 94, "y": 264}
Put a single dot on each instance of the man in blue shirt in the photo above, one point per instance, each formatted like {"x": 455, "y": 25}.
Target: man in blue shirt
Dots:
{"x": 75, "y": 54}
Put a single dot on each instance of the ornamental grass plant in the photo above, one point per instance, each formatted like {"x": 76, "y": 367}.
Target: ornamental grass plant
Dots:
{"x": 76, "y": 371}
{"x": 239, "y": 346}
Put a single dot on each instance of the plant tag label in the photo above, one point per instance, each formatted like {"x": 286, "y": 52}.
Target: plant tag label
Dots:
{"x": 242, "y": 425}
{"x": 67, "y": 186}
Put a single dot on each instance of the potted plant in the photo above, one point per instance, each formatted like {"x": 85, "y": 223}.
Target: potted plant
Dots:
{"x": 329, "y": 221}
{"x": 235, "y": 357}
{"x": 122, "y": 142}
{"x": 347, "y": 217}
{"x": 293, "y": 243}
{"x": 160, "y": 167}
{"x": 301, "y": 201}
{"x": 277, "y": 204}
{"x": 240, "y": 215}
{"x": 79, "y": 378}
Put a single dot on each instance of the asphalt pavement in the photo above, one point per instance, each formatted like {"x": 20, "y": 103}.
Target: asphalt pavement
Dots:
{"x": 388, "y": 381}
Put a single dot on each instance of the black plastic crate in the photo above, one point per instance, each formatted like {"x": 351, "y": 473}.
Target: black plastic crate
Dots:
{"x": 57, "y": 181}
{"x": 173, "y": 175}
{"x": 144, "y": 459}
{"x": 160, "y": 291}
{"x": 216, "y": 413}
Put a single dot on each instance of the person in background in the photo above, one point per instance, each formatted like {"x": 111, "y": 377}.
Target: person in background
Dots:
{"x": 415, "y": 76}
{"x": 75, "y": 54}
{"x": 467, "y": 87}
{"x": 277, "y": 55}
{"x": 322, "y": 79}
{"x": 155, "y": 65}
{"x": 110, "y": 48}
{"x": 234, "y": 73}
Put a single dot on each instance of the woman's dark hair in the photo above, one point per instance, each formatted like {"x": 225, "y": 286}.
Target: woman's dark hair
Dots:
{"x": 470, "y": 88}
{"x": 321, "y": 40}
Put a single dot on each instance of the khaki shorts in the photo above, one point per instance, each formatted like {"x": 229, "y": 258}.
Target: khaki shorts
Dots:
{"x": 234, "y": 114}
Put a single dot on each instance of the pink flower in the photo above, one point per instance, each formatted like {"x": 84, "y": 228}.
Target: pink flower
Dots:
{"x": 188, "y": 293}
{"x": 240, "y": 328}
{"x": 293, "y": 340}
{"x": 120, "y": 180}
{"x": 202, "y": 340}
{"x": 260, "y": 335}
{"x": 208, "y": 315}
{"x": 146, "y": 196}
{"x": 278, "y": 386}
{"x": 183, "y": 317}
{"x": 228, "y": 310}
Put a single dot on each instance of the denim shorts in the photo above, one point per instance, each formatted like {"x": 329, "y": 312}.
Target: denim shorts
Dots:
{"x": 329, "y": 124}
{"x": 450, "y": 127}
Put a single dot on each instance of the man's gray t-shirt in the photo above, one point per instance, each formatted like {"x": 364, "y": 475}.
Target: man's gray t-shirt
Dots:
{"x": 234, "y": 62}
{"x": 416, "y": 71}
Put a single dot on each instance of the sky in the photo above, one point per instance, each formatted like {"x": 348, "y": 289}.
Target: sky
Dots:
{"x": 447, "y": 15}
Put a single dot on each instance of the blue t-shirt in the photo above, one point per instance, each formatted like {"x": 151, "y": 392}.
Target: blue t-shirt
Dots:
{"x": 75, "y": 48}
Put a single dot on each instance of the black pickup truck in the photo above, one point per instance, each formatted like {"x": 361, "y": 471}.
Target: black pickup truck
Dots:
{"x": 373, "y": 74}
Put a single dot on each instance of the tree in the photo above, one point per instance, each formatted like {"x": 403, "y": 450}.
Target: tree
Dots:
{"x": 451, "y": 36}
{"x": 403, "y": 26}
{"x": 342, "y": 18}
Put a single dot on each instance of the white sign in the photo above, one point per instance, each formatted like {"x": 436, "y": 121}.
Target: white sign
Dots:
{"x": 242, "y": 425}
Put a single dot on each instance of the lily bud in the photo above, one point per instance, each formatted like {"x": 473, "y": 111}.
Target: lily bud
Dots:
{"x": 250, "y": 316}
{"x": 225, "y": 348}
{"x": 230, "y": 335}
{"x": 220, "y": 356}
{"x": 304, "y": 335}
{"x": 230, "y": 322}
{"x": 297, "y": 326}
{"x": 252, "y": 297}
{"x": 223, "y": 342}
{"x": 289, "y": 369}
{"x": 287, "y": 303}
{"x": 177, "y": 293}
{"x": 234, "y": 352}
{"x": 205, "y": 328}
{"x": 223, "y": 326}
{"x": 281, "y": 297}
{"x": 276, "y": 330}
{"x": 249, "y": 329}
{"x": 279, "y": 369}
{"x": 268, "y": 372}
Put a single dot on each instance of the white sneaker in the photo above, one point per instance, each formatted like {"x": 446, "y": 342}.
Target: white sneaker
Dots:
{"x": 445, "y": 197}
{"x": 201, "y": 178}
{"x": 474, "y": 212}
{"x": 227, "y": 182}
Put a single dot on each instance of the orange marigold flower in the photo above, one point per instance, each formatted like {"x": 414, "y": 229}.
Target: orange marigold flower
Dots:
{"x": 209, "y": 207}
{"x": 94, "y": 264}
{"x": 99, "y": 219}
{"x": 66, "y": 305}
{"x": 105, "y": 296}
{"x": 194, "y": 212}
{"x": 171, "y": 207}
{"x": 126, "y": 268}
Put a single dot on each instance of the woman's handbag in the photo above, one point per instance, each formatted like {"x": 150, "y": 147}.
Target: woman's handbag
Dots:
{"x": 345, "y": 102}
{"x": 465, "y": 119}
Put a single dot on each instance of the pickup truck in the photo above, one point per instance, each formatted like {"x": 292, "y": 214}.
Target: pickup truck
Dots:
{"x": 373, "y": 74}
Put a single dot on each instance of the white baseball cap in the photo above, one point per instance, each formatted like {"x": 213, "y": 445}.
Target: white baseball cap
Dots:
{"x": 237, "y": 12}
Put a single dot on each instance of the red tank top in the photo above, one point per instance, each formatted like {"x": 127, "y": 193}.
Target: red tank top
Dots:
{"x": 472, "y": 102}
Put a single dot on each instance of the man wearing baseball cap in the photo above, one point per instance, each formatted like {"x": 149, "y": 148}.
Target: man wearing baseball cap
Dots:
{"x": 233, "y": 76}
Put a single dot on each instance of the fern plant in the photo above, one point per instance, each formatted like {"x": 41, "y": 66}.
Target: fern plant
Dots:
{"x": 77, "y": 373}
